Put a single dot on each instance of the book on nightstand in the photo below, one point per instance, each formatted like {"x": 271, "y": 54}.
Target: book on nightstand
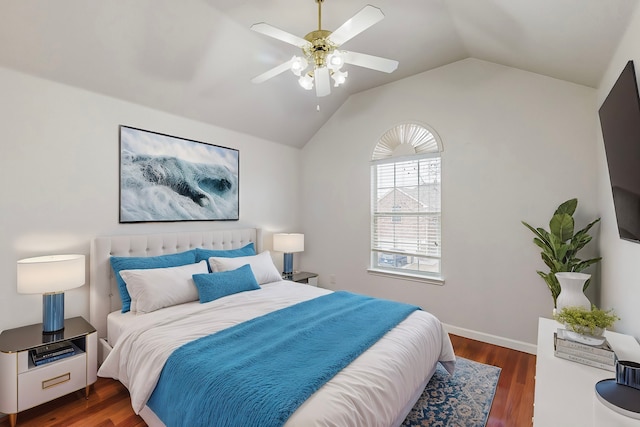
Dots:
{"x": 52, "y": 352}
{"x": 599, "y": 356}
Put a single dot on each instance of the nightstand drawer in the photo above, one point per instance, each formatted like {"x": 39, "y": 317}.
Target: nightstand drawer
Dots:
{"x": 52, "y": 380}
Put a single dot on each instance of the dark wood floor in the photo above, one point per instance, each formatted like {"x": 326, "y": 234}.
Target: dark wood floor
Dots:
{"x": 513, "y": 402}
{"x": 109, "y": 404}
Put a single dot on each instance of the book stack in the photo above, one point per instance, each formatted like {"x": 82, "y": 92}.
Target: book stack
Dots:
{"x": 599, "y": 356}
{"x": 52, "y": 352}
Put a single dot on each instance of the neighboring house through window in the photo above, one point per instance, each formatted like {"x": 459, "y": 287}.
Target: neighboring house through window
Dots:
{"x": 405, "y": 203}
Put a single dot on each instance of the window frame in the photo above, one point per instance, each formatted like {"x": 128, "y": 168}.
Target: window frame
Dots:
{"x": 393, "y": 270}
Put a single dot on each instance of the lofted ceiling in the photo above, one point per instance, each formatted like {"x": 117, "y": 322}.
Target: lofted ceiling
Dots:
{"x": 195, "y": 58}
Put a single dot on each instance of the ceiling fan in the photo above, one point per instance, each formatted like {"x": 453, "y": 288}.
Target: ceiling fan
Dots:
{"x": 320, "y": 48}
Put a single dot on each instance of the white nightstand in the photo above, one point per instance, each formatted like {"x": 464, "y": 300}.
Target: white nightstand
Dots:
{"x": 24, "y": 385}
{"x": 565, "y": 390}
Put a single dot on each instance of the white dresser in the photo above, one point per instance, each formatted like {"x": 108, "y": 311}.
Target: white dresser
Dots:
{"x": 565, "y": 391}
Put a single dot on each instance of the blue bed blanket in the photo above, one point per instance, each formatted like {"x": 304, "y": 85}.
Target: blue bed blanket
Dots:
{"x": 259, "y": 372}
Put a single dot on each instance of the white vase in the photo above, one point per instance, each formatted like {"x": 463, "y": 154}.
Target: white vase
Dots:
{"x": 571, "y": 294}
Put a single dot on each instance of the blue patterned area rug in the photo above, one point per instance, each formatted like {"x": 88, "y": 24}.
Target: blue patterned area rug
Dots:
{"x": 461, "y": 400}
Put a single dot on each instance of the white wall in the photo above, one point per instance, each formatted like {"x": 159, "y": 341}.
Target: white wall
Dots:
{"x": 59, "y": 174}
{"x": 516, "y": 144}
{"x": 620, "y": 272}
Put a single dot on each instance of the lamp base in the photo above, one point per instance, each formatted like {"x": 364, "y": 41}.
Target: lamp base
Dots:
{"x": 287, "y": 270}
{"x": 52, "y": 313}
{"x": 620, "y": 398}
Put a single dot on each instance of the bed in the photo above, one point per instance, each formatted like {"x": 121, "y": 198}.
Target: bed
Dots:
{"x": 377, "y": 388}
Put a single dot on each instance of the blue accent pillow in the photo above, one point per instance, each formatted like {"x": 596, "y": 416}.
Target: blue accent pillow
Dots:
{"x": 205, "y": 254}
{"x": 217, "y": 285}
{"x": 143, "y": 263}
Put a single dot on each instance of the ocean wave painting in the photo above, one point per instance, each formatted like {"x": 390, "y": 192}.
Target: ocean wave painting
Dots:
{"x": 164, "y": 178}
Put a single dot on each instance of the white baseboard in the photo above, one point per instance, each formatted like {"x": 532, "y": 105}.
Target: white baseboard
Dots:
{"x": 492, "y": 339}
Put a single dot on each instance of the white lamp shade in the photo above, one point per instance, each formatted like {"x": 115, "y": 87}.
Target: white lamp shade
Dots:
{"x": 288, "y": 242}
{"x": 52, "y": 273}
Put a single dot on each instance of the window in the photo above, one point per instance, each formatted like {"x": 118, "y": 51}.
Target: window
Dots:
{"x": 405, "y": 202}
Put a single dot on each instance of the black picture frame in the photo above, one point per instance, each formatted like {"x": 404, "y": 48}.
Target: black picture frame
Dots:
{"x": 165, "y": 178}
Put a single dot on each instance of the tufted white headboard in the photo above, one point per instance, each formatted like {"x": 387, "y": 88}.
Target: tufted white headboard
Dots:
{"x": 103, "y": 290}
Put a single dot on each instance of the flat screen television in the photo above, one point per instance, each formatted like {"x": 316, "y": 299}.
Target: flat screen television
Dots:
{"x": 620, "y": 122}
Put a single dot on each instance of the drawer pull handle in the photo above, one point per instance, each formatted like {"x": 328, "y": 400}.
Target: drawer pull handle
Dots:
{"x": 55, "y": 381}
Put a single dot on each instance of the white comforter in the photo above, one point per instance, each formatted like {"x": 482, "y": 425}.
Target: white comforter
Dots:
{"x": 371, "y": 391}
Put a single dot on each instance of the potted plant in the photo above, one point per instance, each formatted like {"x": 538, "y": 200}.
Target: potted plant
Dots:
{"x": 590, "y": 323}
{"x": 560, "y": 246}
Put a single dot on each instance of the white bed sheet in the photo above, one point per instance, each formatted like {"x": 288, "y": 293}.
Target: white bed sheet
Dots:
{"x": 372, "y": 391}
{"x": 117, "y": 322}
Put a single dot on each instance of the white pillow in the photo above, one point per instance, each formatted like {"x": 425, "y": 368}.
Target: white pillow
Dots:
{"x": 155, "y": 288}
{"x": 261, "y": 265}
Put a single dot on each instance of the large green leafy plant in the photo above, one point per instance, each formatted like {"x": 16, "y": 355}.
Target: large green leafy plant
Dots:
{"x": 560, "y": 246}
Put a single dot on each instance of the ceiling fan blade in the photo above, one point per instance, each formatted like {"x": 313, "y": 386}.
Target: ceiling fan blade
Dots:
{"x": 277, "y": 33}
{"x": 359, "y": 22}
{"x": 273, "y": 72}
{"x": 369, "y": 61}
{"x": 323, "y": 84}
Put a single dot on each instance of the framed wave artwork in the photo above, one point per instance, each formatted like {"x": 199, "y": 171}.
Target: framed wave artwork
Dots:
{"x": 165, "y": 178}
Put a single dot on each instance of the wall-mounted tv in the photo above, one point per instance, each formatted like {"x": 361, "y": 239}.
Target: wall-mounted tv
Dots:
{"x": 620, "y": 122}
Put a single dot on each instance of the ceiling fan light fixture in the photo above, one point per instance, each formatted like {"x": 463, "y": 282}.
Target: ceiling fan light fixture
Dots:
{"x": 320, "y": 54}
{"x": 335, "y": 61}
{"x": 339, "y": 77}
{"x": 298, "y": 65}
{"x": 306, "y": 81}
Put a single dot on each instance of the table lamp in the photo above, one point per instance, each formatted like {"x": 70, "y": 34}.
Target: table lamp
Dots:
{"x": 51, "y": 275}
{"x": 288, "y": 243}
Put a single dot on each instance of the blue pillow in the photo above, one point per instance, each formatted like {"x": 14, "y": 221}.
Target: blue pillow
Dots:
{"x": 205, "y": 254}
{"x": 143, "y": 263}
{"x": 217, "y": 285}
